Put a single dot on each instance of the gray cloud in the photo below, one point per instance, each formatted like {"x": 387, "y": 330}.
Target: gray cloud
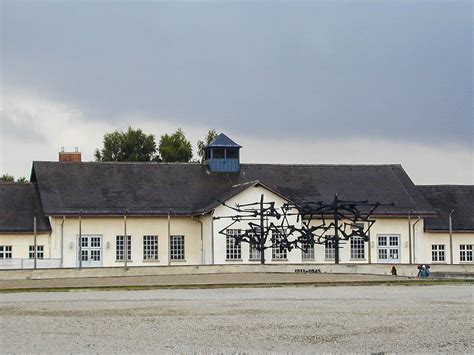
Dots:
{"x": 395, "y": 70}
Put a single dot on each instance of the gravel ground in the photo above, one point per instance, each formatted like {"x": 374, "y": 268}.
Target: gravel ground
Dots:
{"x": 281, "y": 319}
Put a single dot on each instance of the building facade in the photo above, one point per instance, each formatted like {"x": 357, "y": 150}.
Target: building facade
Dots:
{"x": 158, "y": 214}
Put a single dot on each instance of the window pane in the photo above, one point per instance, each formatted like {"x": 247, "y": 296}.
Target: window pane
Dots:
{"x": 357, "y": 248}
{"x": 329, "y": 250}
{"x": 308, "y": 251}
{"x": 218, "y": 153}
{"x": 177, "y": 247}
{"x": 232, "y": 153}
{"x": 277, "y": 251}
{"x": 119, "y": 247}
{"x": 150, "y": 247}
{"x": 233, "y": 249}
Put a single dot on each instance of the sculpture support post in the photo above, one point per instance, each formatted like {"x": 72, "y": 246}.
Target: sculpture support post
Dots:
{"x": 262, "y": 239}
{"x": 125, "y": 241}
{"x": 336, "y": 232}
{"x": 35, "y": 244}
{"x": 80, "y": 239}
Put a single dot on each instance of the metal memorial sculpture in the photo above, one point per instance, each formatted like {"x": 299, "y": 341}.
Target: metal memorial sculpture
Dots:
{"x": 337, "y": 222}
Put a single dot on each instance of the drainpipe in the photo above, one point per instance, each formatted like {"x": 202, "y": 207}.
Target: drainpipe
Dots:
{"x": 370, "y": 249}
{"x": 409, "y": 238}
{"x": 62, "y": 240}
{"x": 451, "y": 237}
{"x": 212, "y": 238}
{"x": 202, "y": 241}
{"x": 414, "y": 239}
{"x": 169, "y": 237}
{"x": 35, "y": 247}
{"x": 125, "y": 241}
{"x": 80, "y": 239}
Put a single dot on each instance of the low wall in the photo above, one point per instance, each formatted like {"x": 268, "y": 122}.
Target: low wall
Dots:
{"x": 18, "y": 263}
{"x": 375, "y": 269}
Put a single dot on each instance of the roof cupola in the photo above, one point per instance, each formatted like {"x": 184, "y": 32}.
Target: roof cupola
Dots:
{"x": 222, "y": 155}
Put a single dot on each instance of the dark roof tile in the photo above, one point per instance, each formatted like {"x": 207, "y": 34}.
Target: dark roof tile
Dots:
{"x": 186, "y": 188}
{"x": 18, "y": 203}
{"x": 444, "y": 199}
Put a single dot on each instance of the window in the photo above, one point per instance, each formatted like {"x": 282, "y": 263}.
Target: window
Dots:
{"x": 388, "y": 248}
{"x": 357, "y": 248}
{"x": 39, "y": 251}
{"x": 218, "y": 153}
{"x": 465, "y": 252}
{"x": 437, "y": 252}
{"x": 308, "y": 251}
{"x": 177, "y": 247}
{"x": 232, "y": 153}
{"x": 119, "y": 247}
{"x": 233, "y": 249}
{"x": 150, "y": 247}
{"x": 277, "y": 251}
{"x": 5, "y": 251}
{"x": 329, "y": 250}
{"x": 254, "y": 253}
{"x": 393, "y": 240}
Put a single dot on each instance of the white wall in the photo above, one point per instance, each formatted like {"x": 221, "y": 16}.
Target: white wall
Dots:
{"x": 109, "y": 227}
{"x": 430, "y": 238}
{"x": 212, "y": 247}
{"x": 21, "y": 242}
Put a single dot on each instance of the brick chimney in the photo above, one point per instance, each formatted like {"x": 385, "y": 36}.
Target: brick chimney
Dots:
{"x": 70, "y": 157}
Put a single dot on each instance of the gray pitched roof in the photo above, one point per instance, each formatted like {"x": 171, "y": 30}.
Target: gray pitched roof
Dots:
{"x": 222, "y": 141}
{"x": 444, "y": 199}
{"x": 189, "y": 188}
{"x": 18, "y": 203}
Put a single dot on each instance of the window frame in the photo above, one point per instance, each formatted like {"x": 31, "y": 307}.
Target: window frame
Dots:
{"x": 177, "y": 241}
{"x": 233, "y": 251}
{"x": 438, "y": 253}
{"x": 39, "y": 252}
{"x": 278, "y": 253}
{"x": 329, "y": 250}
{"x": 465, "y": 253}
{"x": 357, "y": 246}
{"x": 308, "y": 252}
{"x": 150, "y": 247}
{"x": 121, "y": 251}
{"x": 6, "y": 252}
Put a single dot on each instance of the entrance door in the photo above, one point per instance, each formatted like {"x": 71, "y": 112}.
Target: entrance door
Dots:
{"x": 91, "y": 250}
{"x": 388, "y": 248}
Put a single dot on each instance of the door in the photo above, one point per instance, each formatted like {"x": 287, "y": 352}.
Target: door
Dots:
{"x": 91, "y": 250}
{"x": 388, "y": 248}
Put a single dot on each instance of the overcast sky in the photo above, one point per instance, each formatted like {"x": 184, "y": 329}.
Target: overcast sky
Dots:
{"x": 293, "y": 82}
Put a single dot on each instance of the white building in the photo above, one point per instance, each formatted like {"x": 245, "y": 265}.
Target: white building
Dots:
{"x": 173, "y": 213}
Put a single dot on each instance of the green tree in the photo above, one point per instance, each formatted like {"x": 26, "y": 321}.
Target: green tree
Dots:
{"x": 22, "y": 180}
{"x": 175, "y": 147}
{"x": 132, "y": 145}
{"x": 211, "y": 134}
{"x": 7, "y": 178}
{"x": 11, "y": 178}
